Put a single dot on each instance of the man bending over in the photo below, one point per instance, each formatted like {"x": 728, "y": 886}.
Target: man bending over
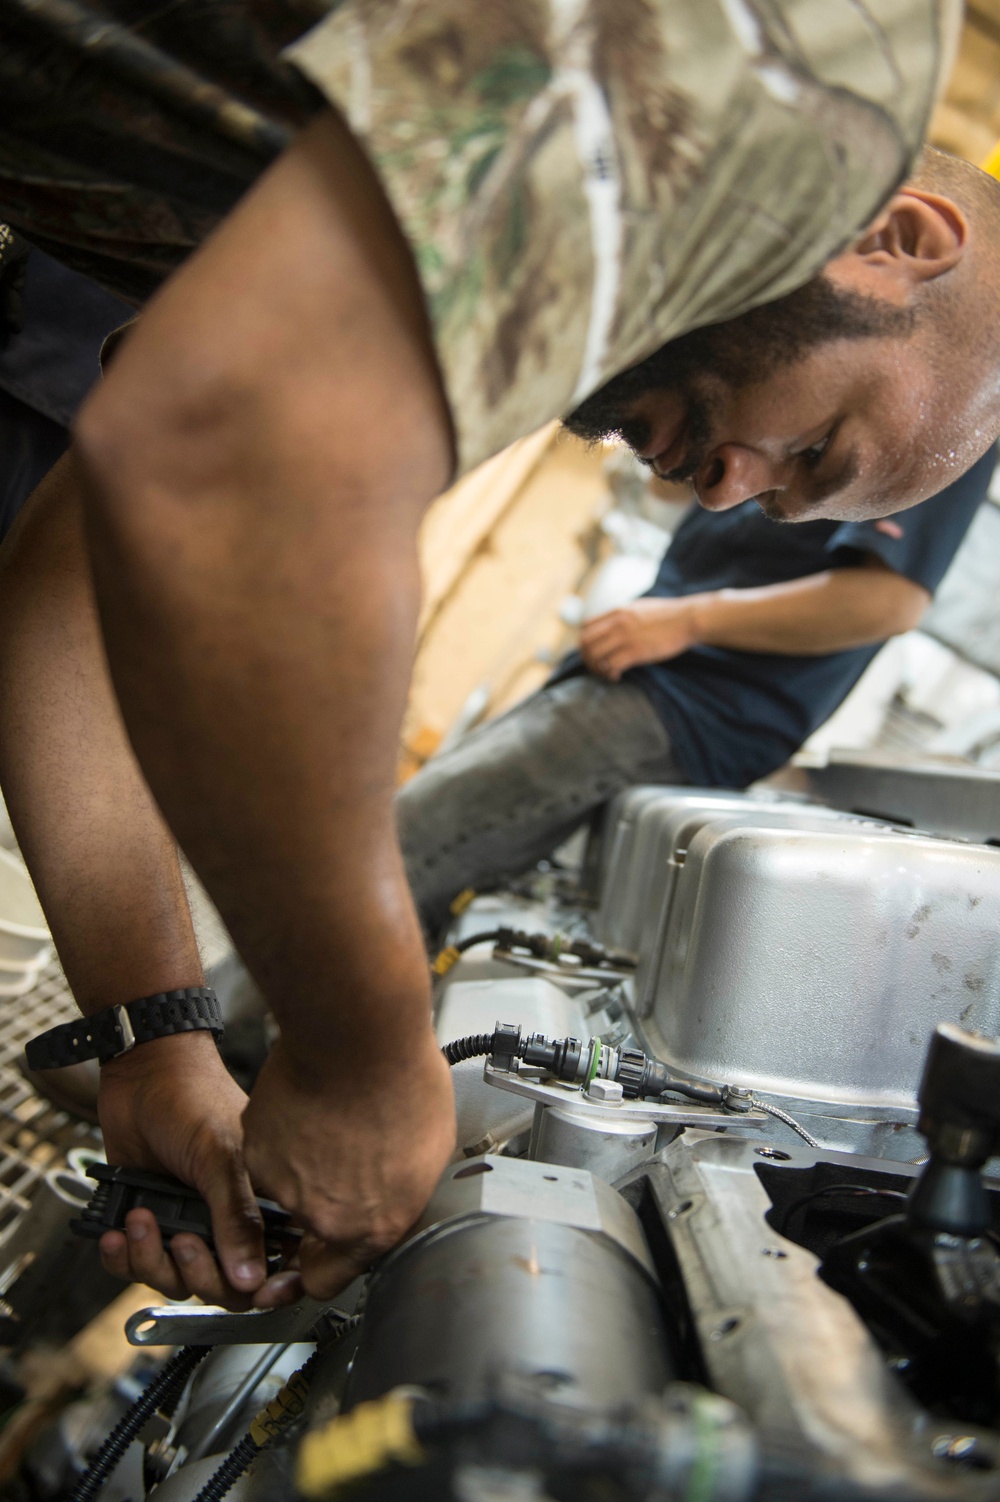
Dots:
{"x": 750, "y": 637}
{"x": 384, "y": 241}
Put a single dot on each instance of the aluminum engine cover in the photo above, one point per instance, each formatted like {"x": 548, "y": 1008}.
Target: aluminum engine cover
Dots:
{"x": 813, "y": 964}
{"x": 669, "y": 833}
{"x": 630, "y": 849}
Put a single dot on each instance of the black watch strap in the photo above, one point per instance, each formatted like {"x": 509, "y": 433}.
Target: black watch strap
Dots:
{"x": 114, "y": 1031}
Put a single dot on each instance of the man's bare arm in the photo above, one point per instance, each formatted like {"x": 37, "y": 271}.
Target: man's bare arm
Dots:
{"x": 256, "y": 466}
{"x": 826, "y": 612}
{"x": 106, "y": 870}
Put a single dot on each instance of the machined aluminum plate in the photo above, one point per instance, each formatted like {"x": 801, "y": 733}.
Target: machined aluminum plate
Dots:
{"x": 526, "y": 1190}
{"x": 209, "y": 1325}
{"x": 663, "y": 1113}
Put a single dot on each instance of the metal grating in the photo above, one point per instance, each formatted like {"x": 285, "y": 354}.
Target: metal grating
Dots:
{"x": 34, "y": 1135}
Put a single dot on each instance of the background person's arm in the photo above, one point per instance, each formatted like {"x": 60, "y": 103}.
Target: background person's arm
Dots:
{"x": 106, "y": 871}
{"x": 822, "y": 613}
{"x": 256, "y": 466}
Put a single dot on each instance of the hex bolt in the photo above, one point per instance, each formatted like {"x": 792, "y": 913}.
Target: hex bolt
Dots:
{"x": 609, "y": 1091}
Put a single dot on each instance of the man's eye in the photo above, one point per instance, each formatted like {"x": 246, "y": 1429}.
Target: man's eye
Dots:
{"x": 814, "y": 453}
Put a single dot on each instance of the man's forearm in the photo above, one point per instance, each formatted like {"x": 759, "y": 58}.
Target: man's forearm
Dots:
{"x": 102, "y": 860}
{"x": 106, "y": 870}
{"x": 258, "y": 464}
{"x": 827, "y": 612}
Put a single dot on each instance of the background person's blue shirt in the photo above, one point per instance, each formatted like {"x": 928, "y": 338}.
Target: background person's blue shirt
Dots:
{"x": 735, "y": 716}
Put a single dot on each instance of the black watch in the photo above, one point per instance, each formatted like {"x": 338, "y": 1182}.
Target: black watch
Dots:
{"x": 108, "y": 1034}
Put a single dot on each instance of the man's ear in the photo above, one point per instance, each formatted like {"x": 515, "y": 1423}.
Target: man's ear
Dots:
{"x": 917, "y": 237}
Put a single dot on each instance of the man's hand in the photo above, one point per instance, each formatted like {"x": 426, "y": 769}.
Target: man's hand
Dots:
{"x": 353, "y": 1152}
{"x": 170, "y": 1106}
{"x": 644, "y": 631}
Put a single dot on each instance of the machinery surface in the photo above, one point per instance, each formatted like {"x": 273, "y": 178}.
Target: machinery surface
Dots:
{"x": 721, "y": 1225}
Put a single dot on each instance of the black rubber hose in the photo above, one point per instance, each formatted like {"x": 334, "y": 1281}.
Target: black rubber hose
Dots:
{"x": 472, "y": 1047}
{"x": 171, "y": 1379}
{"x": 472, "y": 940}
{"x": 706, "y": 1095}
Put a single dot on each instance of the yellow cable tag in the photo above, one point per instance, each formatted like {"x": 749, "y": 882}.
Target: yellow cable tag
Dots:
{"x": 461, "y": 902}
{"x": 369, "y": 1438}
{"x": 445, "y": 960}
{"x": 285, "y": 1406}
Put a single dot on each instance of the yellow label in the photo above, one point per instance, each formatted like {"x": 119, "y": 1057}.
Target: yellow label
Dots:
{"x": 445, "y": 960}
{"x": 369, "y": 1438}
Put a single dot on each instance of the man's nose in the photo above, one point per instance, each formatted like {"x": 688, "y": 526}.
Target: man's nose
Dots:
{"x": 732, "y": 474}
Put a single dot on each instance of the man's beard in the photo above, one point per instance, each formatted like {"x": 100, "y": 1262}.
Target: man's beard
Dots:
{"x": 743, "y": 352}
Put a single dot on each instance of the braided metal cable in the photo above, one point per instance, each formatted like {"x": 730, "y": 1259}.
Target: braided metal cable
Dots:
{"x": 776, "y": 1111}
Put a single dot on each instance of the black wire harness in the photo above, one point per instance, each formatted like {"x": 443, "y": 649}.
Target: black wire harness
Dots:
{"x": 475, "y": 1046}
{"x": 272, "y": 1421}
{"x": 550, "y": 947}
{"x": 578, "y": 1063}
{"x": 165, "y": 1385}
{"x": 230, "y": 1471}
{"x": 287, "y": 1406}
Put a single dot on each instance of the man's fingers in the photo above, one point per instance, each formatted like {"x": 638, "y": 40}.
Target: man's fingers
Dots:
{"x": 283, "y": 1288}
{"x": 619, "y": 662}
{"x": 187, "y": 1267}
{"x": 138, "y": 1256}
{"x": 608, "y": 642}
{"x": 114, "y": 1255}
{"x": 598, "y": 629}
{"x": 328, "y": 1273}
{"x": 202, "y": 1275}
{"x": 610, "y": 660}
{"x": 327, "y": 1268}
{"x": 606, "y": 656}
{"x": 237, "y": 1227}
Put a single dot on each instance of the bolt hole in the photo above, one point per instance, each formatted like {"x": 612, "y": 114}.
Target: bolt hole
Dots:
{"x": 681, "y": 1209}
{"x": 778, "y": 1154}
{"x": 551, "y": 1178}
{"x": 726, "y": 1328}
{"x": 472, "y": 1170}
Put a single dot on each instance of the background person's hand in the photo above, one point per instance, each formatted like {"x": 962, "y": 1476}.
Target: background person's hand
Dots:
{"x": 170, "y": 1106}
{"x": 354, "y": 1152}
{"x": 642, "y": 631}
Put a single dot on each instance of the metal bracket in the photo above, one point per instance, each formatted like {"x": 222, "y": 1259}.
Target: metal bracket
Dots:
{"x": 555, "y": 1093}
{"x": 208, "y": 1325}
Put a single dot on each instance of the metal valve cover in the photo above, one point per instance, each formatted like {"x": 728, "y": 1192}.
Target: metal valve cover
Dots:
{"x": 813, "y": 964}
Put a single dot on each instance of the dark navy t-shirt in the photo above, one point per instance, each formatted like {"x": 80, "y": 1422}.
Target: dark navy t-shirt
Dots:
{"x": 47, "y": 366}
{"x": 736, "y": 716}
